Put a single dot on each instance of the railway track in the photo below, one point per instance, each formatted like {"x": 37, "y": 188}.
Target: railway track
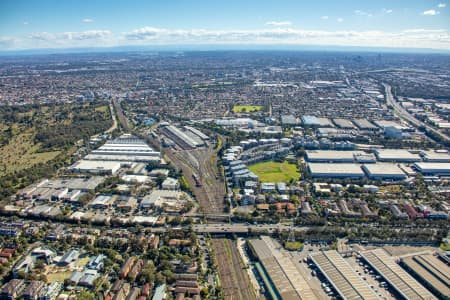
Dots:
{"x": 234, "y": 278}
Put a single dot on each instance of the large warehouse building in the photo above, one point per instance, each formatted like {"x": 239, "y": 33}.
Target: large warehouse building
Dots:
{"x": 397, "y": 155}
{"x": 436, "y": 157}
{"x": 125, "y": 148}
{"x": 405, "y": 285}
{"x": 384, "y": 171}
{"x": 185, "y": 139}
{"x": 286, "y": 282}
{"x": 319, "y": 170}
{"x": 364, "y": 124}
{"x": 433, "y": 169}
{"x": 342, "y": 276}
{"x": 343, "y": 123}
{"x": 330, "y": 156}
{"x": 334, "y": 156}
{"x": 430, "y": 271}
{"x": 96, "y": 167}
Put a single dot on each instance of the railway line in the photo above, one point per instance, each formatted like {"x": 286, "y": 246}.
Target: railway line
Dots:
{"x": 234, "y": 279}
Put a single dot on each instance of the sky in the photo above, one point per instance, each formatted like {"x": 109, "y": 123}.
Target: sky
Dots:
{"x": 36, "y": 24}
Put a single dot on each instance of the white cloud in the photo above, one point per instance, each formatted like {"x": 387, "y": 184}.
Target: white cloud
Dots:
{"x": 324, "y": 17}
{"x": 87, "y": 20}
{"x": 25, "y": 23}
{"x": 8, "y": 42}
{"x": 442, "y": 5}
{"x": 419, "y": 38}
{"x": 340, "y": 20}
{"x": 362, "y": 13}
{"x": 430, "y": 12}
{"x": 71, "y": 38}
{"x": 387, "y": 11}
{"x": 144, "y": 33}
{"x": 279, "y": 23}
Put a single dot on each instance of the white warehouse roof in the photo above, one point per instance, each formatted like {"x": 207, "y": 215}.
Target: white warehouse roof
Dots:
{"x": 400, "y": 155}
{"x": 335, "y": 170}
{"x": 432, "y": 156}
{"x": 433, "y": 168}
{"x": 383, "y": 171}
{"x": 96, "y": 166}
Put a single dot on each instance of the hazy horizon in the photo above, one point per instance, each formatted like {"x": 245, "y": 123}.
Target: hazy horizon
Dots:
{"x": 51, "y": 24}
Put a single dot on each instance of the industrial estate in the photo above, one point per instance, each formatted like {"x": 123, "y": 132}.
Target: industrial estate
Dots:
{"x": 225, "y": 175}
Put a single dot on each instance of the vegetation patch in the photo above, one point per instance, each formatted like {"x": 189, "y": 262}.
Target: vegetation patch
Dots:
{"x": 272, "y": 171}
{"x": 36, "y": 140}
{"x": 58, "y": 276}
{"x": 445, "y": 246}
{"x": 246, "y": 108}
{"x": 293, "y": 246}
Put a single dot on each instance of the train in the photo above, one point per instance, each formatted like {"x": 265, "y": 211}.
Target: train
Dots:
{"x": 197, "y": 180}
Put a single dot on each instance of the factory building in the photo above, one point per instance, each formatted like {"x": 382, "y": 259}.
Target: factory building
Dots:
{"x": 279, "y": 272}
{"x": 363, "y": 124}
{"x": 126, "y": 148}
{"x": 397, "y": 155}
{"x": 431, "y": 272}
{"x": 197, "y": 132}
{"x": 433, "y": 169}
{"x": 384, "y": 171}
{"x": 342, "y": 276}
{"x": 182, "y": 138}
{"x": 343, "y": 123}
{"x": 334, "y": 156}
{"x": 316, "y": 122}
{"x": 345, "y": 170}
{"x": 436, "y": 157}
{"x": 404, "y": 284}
{"x": 99, "y": 167}
{"x": 330, "y": 156}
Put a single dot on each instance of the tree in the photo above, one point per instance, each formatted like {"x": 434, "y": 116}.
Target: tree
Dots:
{"x": 85, "y": 295}
{"x": 159, "y": 278}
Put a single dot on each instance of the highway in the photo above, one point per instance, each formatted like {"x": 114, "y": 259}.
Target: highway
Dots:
{"x": 243, "y": 228}
{"x": 404, "y": 114}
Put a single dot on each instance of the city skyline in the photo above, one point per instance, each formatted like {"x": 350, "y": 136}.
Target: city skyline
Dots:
{"x": 51, "y": 24}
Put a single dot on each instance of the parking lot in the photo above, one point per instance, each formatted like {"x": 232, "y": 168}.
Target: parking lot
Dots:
{"x": 375, "y": 281}
{"x": 309, "y": 272}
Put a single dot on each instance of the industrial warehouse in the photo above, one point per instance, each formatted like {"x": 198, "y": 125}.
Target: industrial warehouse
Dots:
{"x": 383, "y": 165}
{"x": 430, "y": 271}
{"x": 125, "y": 148}
{"x": 341, "y": 275}
{"x": 109, "y": 158}
{"x": 190, "y": 138}
{"x": 384, "y": 171}
{"x": 319, "y": 170}
{"x": 405, "y": 285}
{"x": 285, "y": 280}
{"x": 396, "y": 155}
{"x": 434, "y": 169}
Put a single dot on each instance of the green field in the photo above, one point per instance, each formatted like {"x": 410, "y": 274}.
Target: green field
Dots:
{"x": 58, "y": 276}
{"x": 246, "y": 108}
{"x": 275, "y": 171}
{"x": 21, "y": 152}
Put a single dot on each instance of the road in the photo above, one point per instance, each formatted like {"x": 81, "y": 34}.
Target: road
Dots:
{"x": 404, "y": 114}
{"x": 122, "y": 119}
{"x": 243, "y": 228}
{"x": 114, "y": 119}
